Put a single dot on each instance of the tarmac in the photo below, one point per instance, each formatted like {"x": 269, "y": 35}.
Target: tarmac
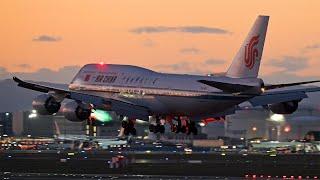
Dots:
{"x": 154, "y": 164}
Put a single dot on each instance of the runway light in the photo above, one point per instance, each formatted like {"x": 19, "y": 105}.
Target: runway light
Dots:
{"x": 202, "y": 124}
{"x": 287, "y": 129}
{"x": 254, "y": 128}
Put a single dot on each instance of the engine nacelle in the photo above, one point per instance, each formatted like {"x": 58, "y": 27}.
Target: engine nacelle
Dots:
{"x": 46, "y": 104}
{"x": 76, "y": 112}
{"x": 284, "y": 107}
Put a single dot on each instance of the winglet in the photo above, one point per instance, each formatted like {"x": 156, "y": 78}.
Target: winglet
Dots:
{"x": 16, "y": 79}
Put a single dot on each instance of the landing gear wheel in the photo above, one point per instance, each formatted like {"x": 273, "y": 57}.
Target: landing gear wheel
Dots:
{"x": 183, "y": 129}
{"x": 128, "y": 127}
{"x": 133, "y": 131}
{"x": 161, "y": 129}
{"x": 124, "y": 124}
{"x": 152, "y": 128}
{"x": 195, "y": 131}
{"x": 192, "y": 128}
{"x": 126, "y": 132}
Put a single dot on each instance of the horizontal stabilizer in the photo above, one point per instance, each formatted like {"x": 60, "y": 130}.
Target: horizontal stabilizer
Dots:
{"x": 275, "y": 86}
{"x": 227, "y": 87}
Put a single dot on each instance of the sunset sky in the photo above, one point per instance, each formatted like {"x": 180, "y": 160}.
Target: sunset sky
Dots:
{"x": 50, "y": 40}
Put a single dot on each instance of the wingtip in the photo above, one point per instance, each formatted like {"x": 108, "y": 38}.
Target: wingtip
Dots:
{"x": 16, "y": 79}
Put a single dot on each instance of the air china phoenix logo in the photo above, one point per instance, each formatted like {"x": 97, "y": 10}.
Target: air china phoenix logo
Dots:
{"x": 251, "y": 52}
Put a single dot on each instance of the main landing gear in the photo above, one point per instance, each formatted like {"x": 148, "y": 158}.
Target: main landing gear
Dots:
{"x": 183, "y": 125}
{"x": 177, "y": 125}
{"x": 158, "y": 127}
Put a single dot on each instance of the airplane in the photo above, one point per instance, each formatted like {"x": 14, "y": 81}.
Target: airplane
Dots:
{"x": 139, "y": 93}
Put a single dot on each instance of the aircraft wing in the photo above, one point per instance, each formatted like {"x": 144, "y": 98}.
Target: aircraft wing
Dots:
{"x": 281, "y": 96}
{"x": 121, "y": 107}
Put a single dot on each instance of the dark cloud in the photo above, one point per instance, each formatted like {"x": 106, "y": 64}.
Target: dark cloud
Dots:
{"x": 190, "y": 51}
{"x": 23, "y": 66}
{"x": 46, "y": 38}
{"x": 148, "y": 43}
{"x": 290, "y": 63}
{"x": 313, "y": 46}
{"x": 62, "y": 75}
{"x": 183, "y": 29}
{"x": 183, "y": 65}
{"x": 214, "y": 61}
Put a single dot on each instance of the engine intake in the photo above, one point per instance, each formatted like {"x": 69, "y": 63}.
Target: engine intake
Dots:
{"x": 46, "y": 104}
{"x": 284, "y": 107}
{"x": 76, "y": 112}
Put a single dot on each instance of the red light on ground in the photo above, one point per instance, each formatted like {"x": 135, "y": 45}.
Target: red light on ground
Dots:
{"x": 287, "y": 129}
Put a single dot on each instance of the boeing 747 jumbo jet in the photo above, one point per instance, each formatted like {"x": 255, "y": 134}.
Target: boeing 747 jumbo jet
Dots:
{"x": 138, "y": 93}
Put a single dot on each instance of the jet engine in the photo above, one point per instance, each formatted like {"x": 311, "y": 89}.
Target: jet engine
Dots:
{"x": 284, "y": 107}
{"x": 76, "y": 112}
{"x": 46, "y": 104}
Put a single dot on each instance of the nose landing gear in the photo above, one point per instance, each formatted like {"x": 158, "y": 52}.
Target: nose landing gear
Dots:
{"x": 128, "y": 127}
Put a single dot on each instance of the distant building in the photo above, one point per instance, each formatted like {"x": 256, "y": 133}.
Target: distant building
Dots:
{"x": 260, "y": 123}
{"x": 6, "y": 124}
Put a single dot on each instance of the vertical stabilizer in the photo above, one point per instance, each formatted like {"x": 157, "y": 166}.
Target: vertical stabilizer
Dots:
{"x": 246, "y": 63}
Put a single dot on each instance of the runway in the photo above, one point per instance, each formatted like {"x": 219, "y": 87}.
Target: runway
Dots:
{"x": 153, "y": 164}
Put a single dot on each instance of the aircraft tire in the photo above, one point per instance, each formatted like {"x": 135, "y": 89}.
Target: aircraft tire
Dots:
{"x": 161, "y": 129}
{"x": 133, "y": 131}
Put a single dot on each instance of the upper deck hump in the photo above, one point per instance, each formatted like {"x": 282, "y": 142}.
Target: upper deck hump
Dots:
{"x": 115, "y": 68}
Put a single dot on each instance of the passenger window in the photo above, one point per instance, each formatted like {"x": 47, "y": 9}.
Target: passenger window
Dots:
{"x": 114, "y": 79}
{"x": 99, "y": 78}
{"x": 154, "y": 81}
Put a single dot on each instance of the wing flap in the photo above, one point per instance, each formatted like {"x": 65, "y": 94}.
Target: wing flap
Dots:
{"x": 276, "y": 98}
{"x": 275, "y": 86}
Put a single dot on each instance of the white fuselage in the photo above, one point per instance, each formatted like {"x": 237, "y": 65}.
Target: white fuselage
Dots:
{"x": 163, "y": 94}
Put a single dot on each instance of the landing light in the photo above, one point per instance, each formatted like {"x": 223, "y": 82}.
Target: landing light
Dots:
{"x": 277, "y": 118}
{"x": 202, "y": 124}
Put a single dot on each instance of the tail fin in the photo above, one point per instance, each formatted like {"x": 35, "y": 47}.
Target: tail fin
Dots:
{"x": 247, "y": 61}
